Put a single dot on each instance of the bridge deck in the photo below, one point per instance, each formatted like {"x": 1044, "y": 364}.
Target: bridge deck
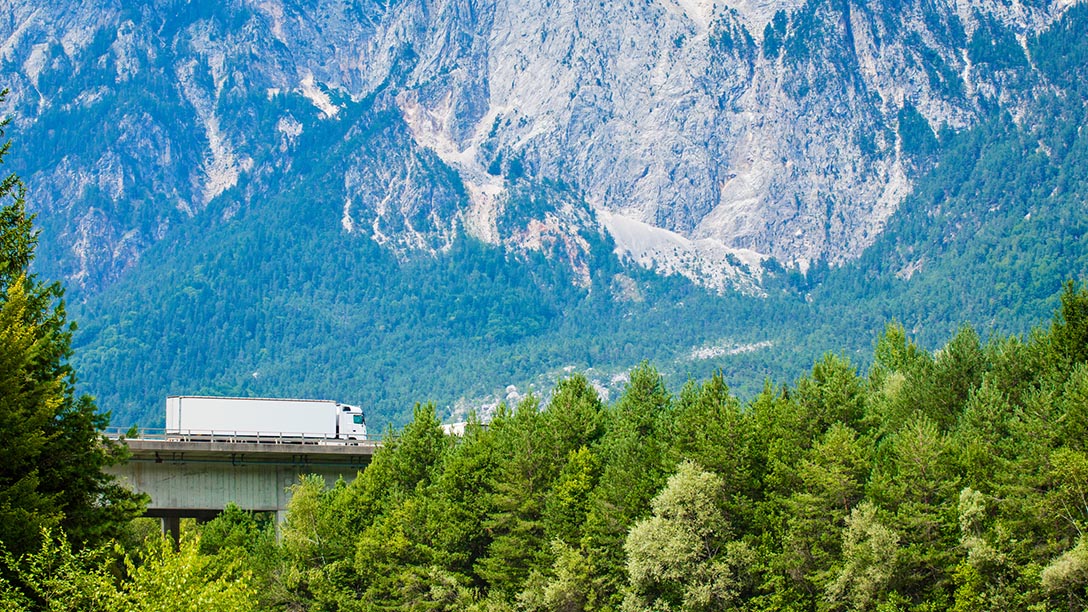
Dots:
{"x": 199, "y": 479}
{"x": 251, "y": 453}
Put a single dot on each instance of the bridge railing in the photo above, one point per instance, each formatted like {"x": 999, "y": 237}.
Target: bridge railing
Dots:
{"x": 199, "y": 435}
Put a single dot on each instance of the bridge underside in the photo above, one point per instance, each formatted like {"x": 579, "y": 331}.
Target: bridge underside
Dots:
{"x": 199, "y": 479}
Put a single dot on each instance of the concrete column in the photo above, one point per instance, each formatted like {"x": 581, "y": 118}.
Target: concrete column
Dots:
{"x": 281, "y": 517}
{"x": 171, "y": 525}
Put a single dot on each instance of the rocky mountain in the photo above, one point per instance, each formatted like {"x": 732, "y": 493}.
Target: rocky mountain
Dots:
{"x": 704, "y": 136}
{"x": 254, "y": 186}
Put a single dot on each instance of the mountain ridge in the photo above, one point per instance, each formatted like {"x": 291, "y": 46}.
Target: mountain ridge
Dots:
{"x": 784, "y": 141}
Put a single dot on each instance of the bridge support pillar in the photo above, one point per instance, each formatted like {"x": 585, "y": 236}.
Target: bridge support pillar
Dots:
{"x": 281, "y": 518}
{"x": 171, "y": 526}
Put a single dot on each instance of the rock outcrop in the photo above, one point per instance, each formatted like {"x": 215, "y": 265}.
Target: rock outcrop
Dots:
{"x": 703, "y": 135}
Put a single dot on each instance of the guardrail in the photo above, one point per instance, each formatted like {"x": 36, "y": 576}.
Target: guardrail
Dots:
{"x": 198, "y": 435}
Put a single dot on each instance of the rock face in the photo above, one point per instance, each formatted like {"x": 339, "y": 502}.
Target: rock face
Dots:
{"x": 703, "y": 135}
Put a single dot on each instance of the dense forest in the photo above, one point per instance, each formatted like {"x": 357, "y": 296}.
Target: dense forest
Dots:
{"x": 276, "y": 299}
{"x": 954, "y": 479}
{"x": 279, "y": 301}
{"x": 946, "y": 480}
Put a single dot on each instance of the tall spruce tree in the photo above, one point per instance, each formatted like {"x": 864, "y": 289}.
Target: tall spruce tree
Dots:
{"x": 51, "y": 476}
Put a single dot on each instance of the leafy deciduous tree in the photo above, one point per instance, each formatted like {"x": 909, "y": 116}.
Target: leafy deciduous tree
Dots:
{"x": 683, "y": 557}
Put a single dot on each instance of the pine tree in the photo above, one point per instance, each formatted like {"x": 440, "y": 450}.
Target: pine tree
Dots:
{"x": 49, "y": 437}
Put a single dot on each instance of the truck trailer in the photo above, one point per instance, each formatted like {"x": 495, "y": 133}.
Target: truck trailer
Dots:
{"x": 192, "y": 417}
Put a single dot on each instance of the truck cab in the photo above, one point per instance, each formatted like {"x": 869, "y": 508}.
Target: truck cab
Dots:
{"x": 351, "y": 424}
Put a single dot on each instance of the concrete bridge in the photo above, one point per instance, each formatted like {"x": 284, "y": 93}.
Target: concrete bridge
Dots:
{"x": 197, "y": 479}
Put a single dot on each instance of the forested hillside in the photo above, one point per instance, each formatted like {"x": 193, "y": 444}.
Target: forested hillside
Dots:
{"x": 227, "y": 229}
{"x": 272, "y": 298}
{"x": 336, "y": 316}
{"x": 1002, "y": 212}
{"x": 946, "y": 480}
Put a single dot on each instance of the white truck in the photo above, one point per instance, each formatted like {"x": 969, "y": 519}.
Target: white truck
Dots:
{"x": 190, "y": 417}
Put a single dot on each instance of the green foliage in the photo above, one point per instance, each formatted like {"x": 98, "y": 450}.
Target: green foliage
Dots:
{"x": 709, "y": 428}
{"x": 542, "y": 484}
{"x": 58, "y": 577}
{"x": 953, "y": 479}
{"x": 233, "y": 530}
{"x": 573, "y": 417}
{"x": 187, "y": 581}
{"x": 636, "y": 463}
{"x": 462, "y": 495}
{"x": 569, "y": 585}
{"x": 316, "y": 545}
{"x": 249, "y": 540}
{"x": 26, "y": 412}
{"x": 682, "y": 557}
{"x": 416, "y": 454}
{"x": 832, "y": 394}
{"x": 917, "y": 479}
{"x": 394, "y": 555}
{"x": 830, "y": 484}
{"x": 1068, "y": 574}
{"x": 1069, "y": 332}
{"x": 567, "y": 504}
{"x": 870, "y": 553}
{"x": 916, "y": 135}
{"x": 53, "y": 452}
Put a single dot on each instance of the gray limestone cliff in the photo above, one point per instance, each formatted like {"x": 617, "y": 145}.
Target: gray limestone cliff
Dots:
{"x": 703, "y": 136}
